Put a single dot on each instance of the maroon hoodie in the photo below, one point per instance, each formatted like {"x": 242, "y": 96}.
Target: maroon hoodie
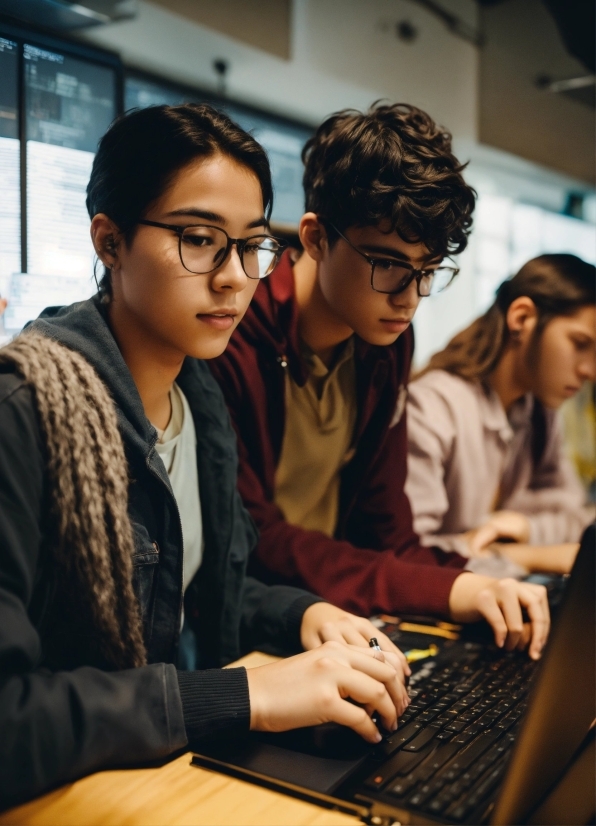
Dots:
{"x": 375, "y": 562}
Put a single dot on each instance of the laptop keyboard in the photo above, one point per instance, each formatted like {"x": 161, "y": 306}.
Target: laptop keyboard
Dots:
{"x": 449, "y": 754}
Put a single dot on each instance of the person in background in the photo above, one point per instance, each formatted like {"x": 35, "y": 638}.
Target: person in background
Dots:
{"x": 315, "y": 379}
{"x": 119, "y": 513}
{"x": 3, "y": 305}
{"x": 486, "y": 459}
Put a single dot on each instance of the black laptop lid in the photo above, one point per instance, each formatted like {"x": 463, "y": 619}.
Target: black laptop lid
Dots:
{"x": 562, "y": 705}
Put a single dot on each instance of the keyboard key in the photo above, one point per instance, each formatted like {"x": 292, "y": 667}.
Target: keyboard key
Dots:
{"x": 462, "y": 738}
{"x": 418, "y": 799}
{"x": 473, "y": 752}
{"x": 426, "y": 716}
{"x": 456, "y": 725}
{"x": 402, "y": 787}
{"x": 444, "y": 753}
{"x": 401, "y": 736}
{"x": 438, "y": 804}
{"x": 460, "y": 811}
{"x": 402, "y": 764}
{"x": 424, "y": 737}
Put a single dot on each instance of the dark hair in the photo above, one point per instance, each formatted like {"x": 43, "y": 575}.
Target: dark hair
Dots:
{"x": 558, "y": 284}
{"x": 143, "y": 149}
{"x": 392, "y": 162}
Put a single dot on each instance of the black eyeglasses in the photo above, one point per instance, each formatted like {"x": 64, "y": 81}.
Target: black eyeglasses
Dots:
{"x": 204, "y": 248}
{"x": 390, "y": 276}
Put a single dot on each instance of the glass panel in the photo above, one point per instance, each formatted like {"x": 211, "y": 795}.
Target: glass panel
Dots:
{"x": 10, "y": 202}
{"x": 69, "y": 104}
{"x": 282, "y": 141}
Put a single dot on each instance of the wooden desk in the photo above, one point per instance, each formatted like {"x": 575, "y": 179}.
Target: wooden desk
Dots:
{"x": 176, "y": 793}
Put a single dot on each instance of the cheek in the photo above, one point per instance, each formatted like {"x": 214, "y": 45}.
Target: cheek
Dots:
{"x": 245, "y": 296}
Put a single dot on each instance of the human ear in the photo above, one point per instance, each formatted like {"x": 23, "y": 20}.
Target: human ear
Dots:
{"x": 522, "y": 317}
{"x": 105, "y": 237}
{"x": 313, "y": 236}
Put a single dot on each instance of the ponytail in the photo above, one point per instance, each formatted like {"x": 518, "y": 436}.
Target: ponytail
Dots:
{"x": 558, "y": 284}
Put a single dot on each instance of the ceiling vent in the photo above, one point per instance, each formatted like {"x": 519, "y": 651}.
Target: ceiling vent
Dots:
{"x": 63, "y": 15}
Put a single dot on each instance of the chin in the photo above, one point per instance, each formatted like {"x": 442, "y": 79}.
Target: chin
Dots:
{"x": 553, "y": 402}
{"x": 210, "y": 349}
{"x": 379, "y": 339}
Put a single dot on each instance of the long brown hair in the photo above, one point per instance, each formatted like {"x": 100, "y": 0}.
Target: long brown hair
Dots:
{"x": 558, "y": 284}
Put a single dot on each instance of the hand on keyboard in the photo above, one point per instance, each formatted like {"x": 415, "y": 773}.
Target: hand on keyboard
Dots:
{"x": 314, "y": 688}
{"x": 323, "y": 622}
{"x": 501, "y": 603}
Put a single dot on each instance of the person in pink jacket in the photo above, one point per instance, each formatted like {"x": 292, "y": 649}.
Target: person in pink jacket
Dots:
{"x": 486, "y": 459}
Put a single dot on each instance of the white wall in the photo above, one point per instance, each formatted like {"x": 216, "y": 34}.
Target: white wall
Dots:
{"x": 344, "y": 53}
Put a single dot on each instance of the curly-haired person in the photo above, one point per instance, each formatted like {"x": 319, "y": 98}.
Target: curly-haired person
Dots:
{"x": 315, "y": 379}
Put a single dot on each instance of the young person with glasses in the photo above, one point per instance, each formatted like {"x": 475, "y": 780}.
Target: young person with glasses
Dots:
{"x": 120, "y": 521}
{"x": 315, "y": 379}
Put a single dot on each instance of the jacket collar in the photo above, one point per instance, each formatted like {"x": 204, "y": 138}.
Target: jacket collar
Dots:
{"x": 83, "y": 327}
{"x": 494, "y": 417}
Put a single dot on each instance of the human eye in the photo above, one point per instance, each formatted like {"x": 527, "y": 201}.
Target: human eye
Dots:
{"x": 198, "y": 237}
{"x": 388, "y": 265}
{"x": 260, "y": 243}
{"x": 582, "y": 344}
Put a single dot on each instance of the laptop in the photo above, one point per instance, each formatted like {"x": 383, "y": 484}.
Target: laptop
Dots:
{"x": 486, "y": 739}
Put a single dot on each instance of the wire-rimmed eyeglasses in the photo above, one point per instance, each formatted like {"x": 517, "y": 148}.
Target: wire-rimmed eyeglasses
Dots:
{"x": 204, "y": 248}
{"x": 391, "y": 276}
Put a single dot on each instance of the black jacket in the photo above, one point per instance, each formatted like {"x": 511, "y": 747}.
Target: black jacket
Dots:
{"x": 62, "y": 712}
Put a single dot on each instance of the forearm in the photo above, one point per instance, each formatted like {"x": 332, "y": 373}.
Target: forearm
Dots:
{"x": 359, "y": 580}
{"x": 57, "y": 727}
{"x": 557, "y": 559}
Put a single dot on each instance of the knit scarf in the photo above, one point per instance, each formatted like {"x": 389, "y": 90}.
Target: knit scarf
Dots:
{"x": 88, "y": 488}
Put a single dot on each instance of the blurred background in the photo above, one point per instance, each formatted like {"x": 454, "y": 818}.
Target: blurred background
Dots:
{"x": 513, "y": 80}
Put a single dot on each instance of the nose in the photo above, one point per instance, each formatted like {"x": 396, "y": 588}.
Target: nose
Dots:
{"x": 408, "y": 299}
{"x": 587, "y": 367}
{"x": 231, "y": 275}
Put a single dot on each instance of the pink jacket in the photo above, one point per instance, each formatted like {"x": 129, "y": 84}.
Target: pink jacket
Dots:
{"x": 466, "y": 458}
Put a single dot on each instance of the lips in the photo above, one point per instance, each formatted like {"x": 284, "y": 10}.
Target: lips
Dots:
{"x": 395, "y": 325}
{"x": 220, "y": 319}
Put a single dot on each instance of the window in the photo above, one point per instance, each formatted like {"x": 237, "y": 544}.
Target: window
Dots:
{"x": 282, "y": 139}
{"x": 68, "y": 101}
{"x": 10, "y": 159}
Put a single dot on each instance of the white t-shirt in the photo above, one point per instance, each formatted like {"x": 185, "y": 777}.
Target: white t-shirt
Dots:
{"x": 177, "y": 446}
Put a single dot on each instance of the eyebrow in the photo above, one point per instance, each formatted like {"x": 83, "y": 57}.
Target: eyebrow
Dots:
{"x": 400, "y": 256}
{"x": 206, "y": 215}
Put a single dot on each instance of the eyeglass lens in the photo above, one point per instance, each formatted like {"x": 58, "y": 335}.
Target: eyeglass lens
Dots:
{"x": 391, "y": 278}
{"x": 203, "y": 249}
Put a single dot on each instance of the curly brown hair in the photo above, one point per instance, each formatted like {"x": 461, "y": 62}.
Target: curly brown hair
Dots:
{"x": 392, "y": 162}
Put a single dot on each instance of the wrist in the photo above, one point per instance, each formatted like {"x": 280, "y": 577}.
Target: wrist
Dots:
{"x": 462, "y": 597}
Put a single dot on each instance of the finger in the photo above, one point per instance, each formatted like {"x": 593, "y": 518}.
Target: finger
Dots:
{"x": 526, "y": 636}
{"x": 368, "y": 630}
{"x": 343, "y": 632}
{"x": 489, "y": 608}
{"x": 352, "y": 635}
{"x": 393, "y": 679}
{"x": 371, "y": 693}
{"x": 357, "y": 719}
{"x": 399, "y": 662}
{"x": 535, "y": 601}
{"x": 391, "y": 648}
{"x": 310, "y": 640}
{"x": 509, "y": 603}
